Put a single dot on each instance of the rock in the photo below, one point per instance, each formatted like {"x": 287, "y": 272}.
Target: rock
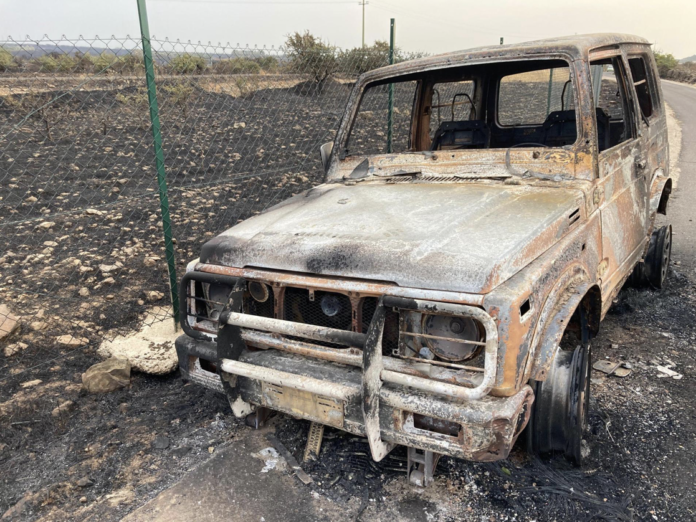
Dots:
{"x": 38, "y": 326}
{"x": 149, "y": 350}
{"x": 71, "y": 340}
{"x": 46, "y": 225}
{"x": 123, "y": 408}
{"x": 154, "y": 295}
{"x": 151, "y": 261}
{"x": 84, "y": 291}
{"x": 107, "y": 376}
{"x": 93, "y": 212}
{"x": 9, "y": 323}
{"x": 31, "y": 199}
{"x": 83, "y": 500}
{"x": 13, "y": 349}
{"x": 63, "y": 408}
{"x": 109, "y": 281}
{"x": 160, "y": 443}
{"x": 85, "y": 482}
{"x": 30, "y": 384}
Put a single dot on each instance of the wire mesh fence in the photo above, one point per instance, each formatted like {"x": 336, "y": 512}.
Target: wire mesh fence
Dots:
{"x": 82, "y": 257}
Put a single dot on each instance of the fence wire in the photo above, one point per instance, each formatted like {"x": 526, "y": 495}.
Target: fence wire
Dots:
{"x": 82, "y": 257}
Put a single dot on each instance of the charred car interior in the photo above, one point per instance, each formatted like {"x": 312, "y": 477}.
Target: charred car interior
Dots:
{"x": 441, "y": 288}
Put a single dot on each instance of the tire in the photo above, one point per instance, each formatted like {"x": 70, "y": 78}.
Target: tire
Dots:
{"x": 653, "y": 271}
{"x": 559, "y": 414}
{"x": 658, "y": 257}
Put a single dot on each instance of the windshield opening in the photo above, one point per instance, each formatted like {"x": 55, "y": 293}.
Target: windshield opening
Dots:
{"x": 491, "y": 106}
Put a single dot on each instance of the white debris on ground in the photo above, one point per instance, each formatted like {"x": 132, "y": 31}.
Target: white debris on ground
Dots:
{"x": 271, "y": 458}
{"x": 150, "y": 349}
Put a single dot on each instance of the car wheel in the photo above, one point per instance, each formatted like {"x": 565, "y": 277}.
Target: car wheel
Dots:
{"x": 559, "y": 414}
{"x": 658, "y": 257}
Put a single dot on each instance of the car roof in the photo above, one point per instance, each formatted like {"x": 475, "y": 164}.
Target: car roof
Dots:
{"x": 576, "y": 46}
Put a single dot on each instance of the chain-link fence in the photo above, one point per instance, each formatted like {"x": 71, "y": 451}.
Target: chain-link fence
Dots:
{"x": 82, "y": 257}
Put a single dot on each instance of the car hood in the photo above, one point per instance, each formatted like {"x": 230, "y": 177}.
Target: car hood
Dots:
{"x": 466, "y": 237}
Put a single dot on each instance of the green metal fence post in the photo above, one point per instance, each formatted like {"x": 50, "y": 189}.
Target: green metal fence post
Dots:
{"x": 390, "y": 122}
{"x": 159, "y": 158}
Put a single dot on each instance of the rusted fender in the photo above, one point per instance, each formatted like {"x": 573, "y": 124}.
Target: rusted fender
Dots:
{"x": 556, "y": 313}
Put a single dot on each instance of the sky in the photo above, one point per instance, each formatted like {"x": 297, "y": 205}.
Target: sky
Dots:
{"x": 430, "y": 26}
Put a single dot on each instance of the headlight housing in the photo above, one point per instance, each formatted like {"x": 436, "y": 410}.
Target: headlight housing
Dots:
{"x": 446, "y": 336}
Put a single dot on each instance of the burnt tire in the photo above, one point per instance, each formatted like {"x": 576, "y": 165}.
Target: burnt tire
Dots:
{"x": 658, "y": 256}
{"x": 653, "y": 271}
{"x": 559, "y": 413}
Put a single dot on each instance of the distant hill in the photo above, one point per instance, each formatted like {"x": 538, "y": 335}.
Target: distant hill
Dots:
{"x": 688, "y": 59}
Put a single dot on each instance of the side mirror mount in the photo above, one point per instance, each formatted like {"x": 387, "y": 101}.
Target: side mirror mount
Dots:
{"x": 325, "y": 153}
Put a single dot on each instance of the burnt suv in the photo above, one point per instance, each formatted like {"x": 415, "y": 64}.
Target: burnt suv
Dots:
{"x": 480, "y": 211}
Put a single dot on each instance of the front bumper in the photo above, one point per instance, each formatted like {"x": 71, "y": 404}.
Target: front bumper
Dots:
{"x": 390, "y": 400}
{"x": 479, "y": 430}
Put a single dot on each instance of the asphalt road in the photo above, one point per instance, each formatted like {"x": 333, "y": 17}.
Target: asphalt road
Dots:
{"x": 681, "y": 211}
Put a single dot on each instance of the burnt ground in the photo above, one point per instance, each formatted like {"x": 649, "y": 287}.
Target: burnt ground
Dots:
{"x": 640, "y": 464}
{"x": 113, "y": 452}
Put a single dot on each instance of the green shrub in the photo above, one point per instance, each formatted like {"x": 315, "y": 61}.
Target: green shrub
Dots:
{"x": 130, "y": 63}
{"x": 180, "y": 94}
{"x": 310, "y": 55}
{"x": 84, "y": 62}
{"x": 237, "y": 66}
{"x": 187, "y": 64}
{"x": 65, "y": 63}
{"x": 268, "y": 63}
{"x": 46, "y": 63}
{"x": 7, "y": 61}
{"x": 665, "y": 63}
{"x": 104, "y": 62}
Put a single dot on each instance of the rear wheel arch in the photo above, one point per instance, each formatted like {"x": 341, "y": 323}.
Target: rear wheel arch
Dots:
{"x": 659, "y": 195}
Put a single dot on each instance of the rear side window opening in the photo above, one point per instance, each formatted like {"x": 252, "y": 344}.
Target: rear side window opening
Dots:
{"x": 612, "y": 104}
{"x": 643, "y": 85}
{"x": 490, "y": 106}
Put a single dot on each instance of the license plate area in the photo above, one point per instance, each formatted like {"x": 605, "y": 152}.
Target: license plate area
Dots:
{"x": 303, "y": 404}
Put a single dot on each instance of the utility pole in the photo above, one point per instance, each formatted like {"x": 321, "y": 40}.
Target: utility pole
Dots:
{"x": 363, "y": 3}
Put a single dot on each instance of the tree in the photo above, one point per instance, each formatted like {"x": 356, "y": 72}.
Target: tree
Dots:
{"x": 310, "y": 55}
{"x": 359, "y": 60}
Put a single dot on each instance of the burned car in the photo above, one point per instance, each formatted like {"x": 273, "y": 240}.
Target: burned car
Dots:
{"x": 479, "y": 214}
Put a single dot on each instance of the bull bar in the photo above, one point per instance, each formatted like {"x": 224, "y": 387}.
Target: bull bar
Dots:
{"x": 375, "y": 396}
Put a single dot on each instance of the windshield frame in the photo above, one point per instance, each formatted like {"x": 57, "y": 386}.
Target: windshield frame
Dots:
{"x": 585, "y": 127}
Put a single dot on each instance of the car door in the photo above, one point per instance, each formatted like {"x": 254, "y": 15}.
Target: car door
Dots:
{"x": 623, "y": 180}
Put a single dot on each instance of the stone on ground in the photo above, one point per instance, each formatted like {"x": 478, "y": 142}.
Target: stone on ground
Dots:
{"x": 107, "y": 376}
{"x": 149, "y": 350}
{"x": 8, "y": 322}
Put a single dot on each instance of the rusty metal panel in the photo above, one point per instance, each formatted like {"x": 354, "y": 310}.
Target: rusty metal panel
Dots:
{"x": 303, "y": 404}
